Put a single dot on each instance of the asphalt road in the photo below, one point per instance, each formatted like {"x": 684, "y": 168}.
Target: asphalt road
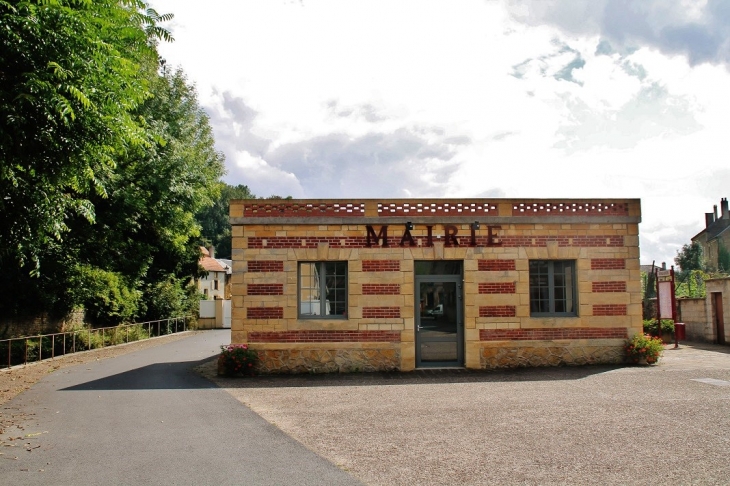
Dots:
{"x": 148, "y": 418}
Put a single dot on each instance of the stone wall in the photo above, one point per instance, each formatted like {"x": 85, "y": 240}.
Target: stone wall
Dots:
{"x": 536, "y": 353}
{"x": 34, "y": 326}
{"x": 693, "y": 313}
{"x": 328, "y": 359}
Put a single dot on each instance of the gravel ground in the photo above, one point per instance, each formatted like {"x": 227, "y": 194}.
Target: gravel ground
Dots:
{"x": 586, "y": 425}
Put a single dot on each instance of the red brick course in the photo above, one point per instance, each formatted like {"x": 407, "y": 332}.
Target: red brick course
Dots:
{"x": 497, "y": 288}
{"x": 265, "y": 266}
{"x": 497, "y": 311}
{"x": 323, "y": 336}
{"x": 539, "y": 241}
{"x": 264, "y": 313}
{"x": 265, "y": 289}
{"x": 552, "y": 333}
{"x": 381, "y": 289}
{"x": 608, "y": 287}
{"x": 380, "y": 312}
{"x": 496, "y": 265}
{"x": 381, "y": 265}
{"x": 609, "y": 309}
{"x": 608, "y": 264}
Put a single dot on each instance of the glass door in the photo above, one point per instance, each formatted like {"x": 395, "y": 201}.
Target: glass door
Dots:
{"x": 439, "y": 322}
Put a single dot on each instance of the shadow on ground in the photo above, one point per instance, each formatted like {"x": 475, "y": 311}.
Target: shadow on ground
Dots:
{"x": 158, "y": 376}
{"x": 430, "y": 376}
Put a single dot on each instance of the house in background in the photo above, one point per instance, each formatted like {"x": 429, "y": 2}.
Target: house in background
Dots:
{"x": 715, "y": 238}
{"x": 215, "y": 287}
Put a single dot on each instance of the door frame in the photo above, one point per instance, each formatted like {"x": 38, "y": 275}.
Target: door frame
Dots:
{"x": 718, "y": 317}
{"x": 459, "y": 281}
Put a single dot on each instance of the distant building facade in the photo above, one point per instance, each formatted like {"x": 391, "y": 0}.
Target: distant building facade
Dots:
{"x": 344, "y": 285}
{"x": 715, "y": 238}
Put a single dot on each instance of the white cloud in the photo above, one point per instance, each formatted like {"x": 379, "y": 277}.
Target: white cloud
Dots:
{"x": 529, "y": 98}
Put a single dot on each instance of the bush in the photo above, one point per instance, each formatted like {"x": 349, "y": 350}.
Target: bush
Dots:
{"x": 237, "y": 359}
{"x": 650, "y": 327}
{"x": 644, "y": 346}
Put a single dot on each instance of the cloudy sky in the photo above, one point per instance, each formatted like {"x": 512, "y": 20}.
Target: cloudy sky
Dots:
{"x": 462, "y": 98}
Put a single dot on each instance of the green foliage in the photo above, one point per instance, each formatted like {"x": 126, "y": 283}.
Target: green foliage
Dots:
{"x": 691, "y": 284}
{"x": 690, "y": 258}
{"x": 723, "y": 258}
{"x": 104, "y": 163}
{"x": 650, "y": 327}
{"x": 70, "y": 79}
{"x": 214, "y": 220}
{"x": 106, "y": 296}
{"x": 237, "y": 359}
{"x": 643, "y": 346}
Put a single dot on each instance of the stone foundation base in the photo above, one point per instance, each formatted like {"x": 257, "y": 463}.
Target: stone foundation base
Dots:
{"x": 291, "y": 361}
{"x": 532, "y": 355}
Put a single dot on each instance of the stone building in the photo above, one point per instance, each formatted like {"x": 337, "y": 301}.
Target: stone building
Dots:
{"x": 333, "y": 285}
{"x": 715, "y": 238}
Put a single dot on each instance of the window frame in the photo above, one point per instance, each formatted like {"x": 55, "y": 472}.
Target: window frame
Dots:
{"x": 551, "y": 286}
{"x": 321, "y": 273}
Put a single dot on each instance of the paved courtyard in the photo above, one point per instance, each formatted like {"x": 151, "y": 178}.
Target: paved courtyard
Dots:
{"x": 149, "y": 417}
{"x": 665, "y": 424}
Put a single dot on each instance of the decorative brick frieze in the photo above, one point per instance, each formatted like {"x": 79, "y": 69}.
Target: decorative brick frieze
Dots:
{"x": 609, "y": 310}
{"x": 264, "y": 313}
{"x": 380, "y": 289}
{"x": 600, "y": 287}
{"x": 265, "y": 289}
{"x": 380, "y": 312}
{"x": 302, "y": 210}
{"x": 608, "y": 264}
{"x": 496, "y": 265}
{"x": 265, "y": 266}
{"x": 570, "y": 209}
{"x": 497, "y": 288}
{"x": 381, "y": 265}
{"x": 437, "y": 209}
{"x": 544, "y": 334}
{"x": 497, "y": 311}
{"x": 323, "y": 336}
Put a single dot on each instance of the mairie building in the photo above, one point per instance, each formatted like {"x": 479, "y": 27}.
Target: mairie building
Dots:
{"x": 370, "y": 284}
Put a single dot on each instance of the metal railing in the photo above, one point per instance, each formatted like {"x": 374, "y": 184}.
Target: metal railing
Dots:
{"x": 31, "y": 349}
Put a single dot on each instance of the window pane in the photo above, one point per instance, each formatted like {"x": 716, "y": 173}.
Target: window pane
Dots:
{"x": 552, "y": 287}
{"x": 308, "y": 289}
{"x": 323, "y": 289}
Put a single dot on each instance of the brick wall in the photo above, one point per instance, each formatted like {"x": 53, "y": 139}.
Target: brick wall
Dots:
{"x": 381, "y": 289}
{"x": 265, "y": 266}
{"x": 272, "y": 238}
{"x": 381, "y": 265}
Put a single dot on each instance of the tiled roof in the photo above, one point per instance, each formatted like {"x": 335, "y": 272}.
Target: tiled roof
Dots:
{"x": 211, "y": 264}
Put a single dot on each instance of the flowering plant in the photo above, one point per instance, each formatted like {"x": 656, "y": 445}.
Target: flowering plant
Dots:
{"x": 237, "y": 359}
{"x": 644, "y": 346}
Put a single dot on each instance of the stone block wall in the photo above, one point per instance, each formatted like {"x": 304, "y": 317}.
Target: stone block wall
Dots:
{"x": 698, "y": 325}
{"x": 270, "y": 238}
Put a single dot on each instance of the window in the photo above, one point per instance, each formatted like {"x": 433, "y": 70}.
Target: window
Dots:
{"x": 552, "y": 288}
{"x": 215, "y": 283}
{"x": 322, "y": 289}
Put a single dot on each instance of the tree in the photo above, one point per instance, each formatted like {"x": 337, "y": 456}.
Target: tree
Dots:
{"x": 152, "y": 199}
{"x": 690, "y": 258}
{"x": 104, "y": 163}
{"x": 70, "y": 79}
{"x": 214, "y": 220}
